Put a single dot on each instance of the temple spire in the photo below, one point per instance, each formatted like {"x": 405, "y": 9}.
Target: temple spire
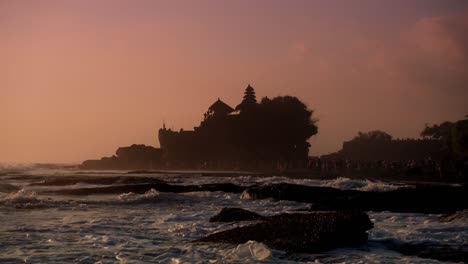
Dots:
{"x": 249, "y": 99}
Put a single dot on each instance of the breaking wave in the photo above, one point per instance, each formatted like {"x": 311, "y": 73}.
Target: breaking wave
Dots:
{"x": 361, "y": 185}
{"x": 22, "y": 199}
{"x": 25, "y": 199}
{"x": 130, "y": 197}
{"x": 7, "y": 188}
{"x": 33, "y": 168}
{"x": 13, "y": 168}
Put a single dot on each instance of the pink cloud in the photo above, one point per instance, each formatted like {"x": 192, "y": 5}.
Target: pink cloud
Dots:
{"x": 431, "y": 54}
{"x": 441, "y": 36}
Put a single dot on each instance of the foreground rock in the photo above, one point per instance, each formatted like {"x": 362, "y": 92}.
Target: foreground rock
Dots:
{"x": 421, "y": 199}
{"x": 309, "y": 232}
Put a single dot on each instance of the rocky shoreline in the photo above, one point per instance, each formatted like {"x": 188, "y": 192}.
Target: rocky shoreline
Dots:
{"x": 428, "y": 199}
{"x": 332, "y": 218}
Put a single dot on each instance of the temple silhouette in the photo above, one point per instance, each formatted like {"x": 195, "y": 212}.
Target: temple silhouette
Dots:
{"x": 243, "y": 137}
{"x": 268, "y": 135}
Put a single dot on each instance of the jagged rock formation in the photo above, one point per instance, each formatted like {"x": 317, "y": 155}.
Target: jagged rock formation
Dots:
{"x": 127, "y": 158}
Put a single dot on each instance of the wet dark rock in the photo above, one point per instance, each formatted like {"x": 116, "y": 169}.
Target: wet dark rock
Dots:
{"x": 71, "y": 180}
{"x": 160, "y": 186}
{"x": 309, "y": 232}
{"x": 293, "y": 192}
{"x": 235, "y": 214}
{"x": 421, "y": 199}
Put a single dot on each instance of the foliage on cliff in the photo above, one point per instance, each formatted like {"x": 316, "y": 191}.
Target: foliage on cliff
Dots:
{"x": 453, "y": 134}
{"x": 274, "y": 129}
{"x": 376, "y": 135}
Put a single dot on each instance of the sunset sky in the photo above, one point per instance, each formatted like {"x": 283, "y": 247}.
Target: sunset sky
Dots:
{"x": 80, "y": 78}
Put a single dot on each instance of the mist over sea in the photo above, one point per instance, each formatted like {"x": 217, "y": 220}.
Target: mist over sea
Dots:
{"x": 160, "y": 227}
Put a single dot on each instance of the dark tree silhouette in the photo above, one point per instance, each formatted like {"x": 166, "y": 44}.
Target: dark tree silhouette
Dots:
{"x": 375, "y": 135}
{"x": 454, "y": 136}
{"x": 285, "y": 124}
{"x": 459, "y": 136}
{"x": 441, "y": 131}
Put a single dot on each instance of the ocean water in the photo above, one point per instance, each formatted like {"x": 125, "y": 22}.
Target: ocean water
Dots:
{"x": 160, "y": 227}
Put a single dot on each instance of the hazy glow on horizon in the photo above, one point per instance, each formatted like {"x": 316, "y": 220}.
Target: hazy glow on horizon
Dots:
{"x": 80, "y": 78}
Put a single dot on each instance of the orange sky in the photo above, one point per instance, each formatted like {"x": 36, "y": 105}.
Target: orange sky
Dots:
{"x": 80, "y": 78}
